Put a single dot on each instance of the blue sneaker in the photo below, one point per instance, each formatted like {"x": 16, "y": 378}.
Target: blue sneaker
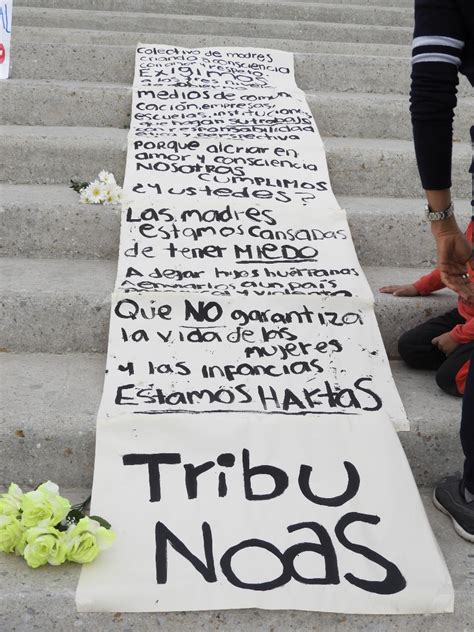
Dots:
{"x": 448, "y": 497}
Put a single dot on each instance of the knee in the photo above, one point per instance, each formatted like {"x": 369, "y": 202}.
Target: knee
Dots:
{"x": 407, "y": 348}
{"x": 446, "y": 380}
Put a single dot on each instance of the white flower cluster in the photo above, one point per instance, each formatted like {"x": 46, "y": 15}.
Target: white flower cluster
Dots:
{"x": 103, "y": 190}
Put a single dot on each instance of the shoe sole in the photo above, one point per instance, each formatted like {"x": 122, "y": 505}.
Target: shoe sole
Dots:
{"x": 457, "y": 527}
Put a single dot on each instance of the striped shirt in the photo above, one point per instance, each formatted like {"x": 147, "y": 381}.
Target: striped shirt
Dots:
{"x": 443, "y": 46}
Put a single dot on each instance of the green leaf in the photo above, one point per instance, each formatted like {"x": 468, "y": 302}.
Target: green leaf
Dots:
{"x": 82, "y": 506}
{"x": 73, "y": 517}
{"x": 101, "y": 521}
{"x": 77, "y": 185}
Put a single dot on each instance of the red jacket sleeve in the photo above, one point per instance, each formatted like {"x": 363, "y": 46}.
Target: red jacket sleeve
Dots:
{"x": 429, "y": 283}
{"x": 463, "y": 333}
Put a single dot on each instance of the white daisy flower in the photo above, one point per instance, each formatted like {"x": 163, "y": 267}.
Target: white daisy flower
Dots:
{"x": 96, "y": 192}
{"x": 85, "y": 197}
{"x": 106, "y": 177}
{"x": 113, "y": 194}
{"x": 109, "y": 195}
{"x": 118, "y": 195}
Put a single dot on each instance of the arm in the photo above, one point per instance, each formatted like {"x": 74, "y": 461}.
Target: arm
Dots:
{"x": 438, "y": 41}
{"x": 459, "y": 335}
{"x": 463, "y": 333}
{"x": 437, "y": 50}
{"x": 429, "y": 283}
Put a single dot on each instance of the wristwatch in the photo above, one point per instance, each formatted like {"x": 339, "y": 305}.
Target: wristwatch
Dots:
{"x": 436, "y": 216}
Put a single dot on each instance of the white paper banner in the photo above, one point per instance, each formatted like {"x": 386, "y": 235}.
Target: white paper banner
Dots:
{"x": 239, "y": 512}
{"x": 261, "y": 170}
{"x": 233, "y": 67}
{"x": 278, "y": 355}
{"x": 235, "y": 248}
{"x": 225, "y": 113}
{"x": 246, "y": 451}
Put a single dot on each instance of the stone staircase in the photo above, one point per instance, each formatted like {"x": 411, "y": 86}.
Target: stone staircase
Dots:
{"x": 65, "y": 113}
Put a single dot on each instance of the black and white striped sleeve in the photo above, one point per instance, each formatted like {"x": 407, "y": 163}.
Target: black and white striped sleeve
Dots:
{"x": 437, "y": 48}
{"x": 437, "y": 51}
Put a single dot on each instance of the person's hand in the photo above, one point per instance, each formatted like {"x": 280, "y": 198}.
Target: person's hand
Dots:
{"x": 454, "y": 256}
{"x": 445, "y": 343}
{"x": 400, "y": 290}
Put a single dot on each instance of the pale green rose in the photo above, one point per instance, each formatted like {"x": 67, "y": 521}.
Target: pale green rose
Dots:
{"x": 44, "y": 507}
{"x": 21, "y": 544}
{"x": 10, "y": 533}
{"x": 86, "y": 539}
{"x": 44, "y": 546}
{"x": 10, "y": 503}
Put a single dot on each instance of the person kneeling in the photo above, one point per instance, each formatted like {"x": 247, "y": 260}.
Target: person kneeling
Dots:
{"x": 444, "y": 343}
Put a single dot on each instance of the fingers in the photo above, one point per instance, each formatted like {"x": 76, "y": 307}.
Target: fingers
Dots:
{"x": 460, "y": 285}
{"x": 389, "y": 289}
{"x": 438, "y": 342}
{"x": 399, "y": 290}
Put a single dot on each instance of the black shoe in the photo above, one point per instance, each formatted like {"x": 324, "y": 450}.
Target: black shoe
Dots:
{"x": 448, "y": 497}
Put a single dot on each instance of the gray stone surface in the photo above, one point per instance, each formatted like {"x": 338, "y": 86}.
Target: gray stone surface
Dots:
{"x": 54, "y": 305}
{"x": 210, "y": 26}
{"x": 358, "y": 166}
{"x": 25, "y": 34}
{"x": 49, "y": 404}
{"x": 382, "y": 167}
{"x": 279, "y": 10}
{"x": 314, "y": 72}
{"x": 47, "y": 102}
{"x": 56, "y": 103}
{"x": 48, "y": 221}
{"x": 57, "y": 154}
{"x": 44, "y": 600}
{"x": 73, "y": 69}
{"x": 392, "y": 231}
{"x": 48, "y": 414}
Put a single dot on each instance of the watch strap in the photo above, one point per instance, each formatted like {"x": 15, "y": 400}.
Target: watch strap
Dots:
{"x": 437, "y": 216}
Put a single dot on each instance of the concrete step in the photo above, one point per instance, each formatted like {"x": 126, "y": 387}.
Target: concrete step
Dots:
{"x": 114, "y": 64}
{"x": 48, "y": 221}
{"x": 314, "y": 72}
{"x": 42, "y": 102}
{"x": 64, "y": 391}
{"x": 366, "y": 167}
{"x": 381, "y": 3}
{"x": 26, "y": 34}
{"x": 61, "y": 305}
{"x": 210, "y": 26}
{"x": 370, "y": 3}
{"x": 47, "y": 600}
{"x": 259, "y": 9}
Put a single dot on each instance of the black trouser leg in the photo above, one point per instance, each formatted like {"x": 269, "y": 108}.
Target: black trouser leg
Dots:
{"x": 415, "y": 346}
{"x": 467, "y": 429}
{"x": 467, "y": 419}
{"x": 453, "y": 363}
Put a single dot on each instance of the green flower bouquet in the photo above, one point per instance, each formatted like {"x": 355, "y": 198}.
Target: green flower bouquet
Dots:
{"x": 43, "y": 527}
